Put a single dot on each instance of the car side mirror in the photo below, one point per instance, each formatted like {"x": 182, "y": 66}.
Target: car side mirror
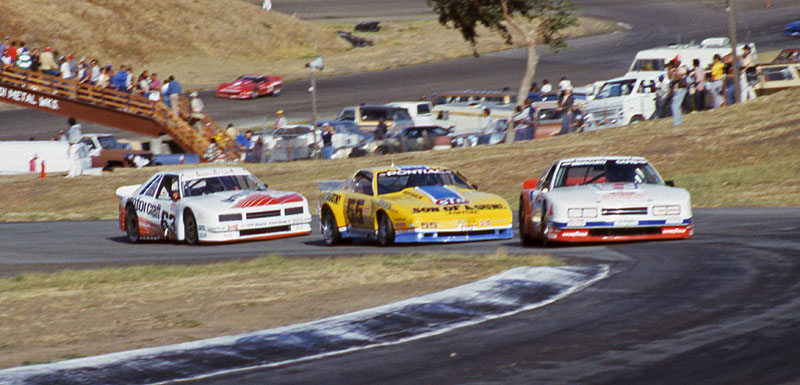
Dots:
{"x": 530, "y": 184}
{"x": 670, "y": 183}
{"x": 475, "y": 186}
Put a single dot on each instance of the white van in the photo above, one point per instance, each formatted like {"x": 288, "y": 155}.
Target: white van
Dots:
{"x": 420, "y": 112}
{"x": 463, "y": 118}
{"x": 653, "y": 61}
{"x": 622, "y": 101}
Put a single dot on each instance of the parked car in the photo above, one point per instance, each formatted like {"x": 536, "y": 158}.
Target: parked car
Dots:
{"x": 290, "y": 143}
{"x": 604, "y": 198}
{"x": 411, "y": 139}
{"x": 218, "y": 204}
{"x": 792, "y": 29}
{"x": 367, "y": 116}
{"x": 402, "y": 204}
{"x": 107, "y": 153}
{"x": 251, "y": 87}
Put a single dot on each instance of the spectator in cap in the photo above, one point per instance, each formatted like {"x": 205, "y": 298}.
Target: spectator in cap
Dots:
{"x": 48, "y": 62}
{"x": 280, "y": 121}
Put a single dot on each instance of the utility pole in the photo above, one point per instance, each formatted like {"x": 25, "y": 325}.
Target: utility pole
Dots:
{"x": 315, "y": 65}
{"x": 732, "y": 37}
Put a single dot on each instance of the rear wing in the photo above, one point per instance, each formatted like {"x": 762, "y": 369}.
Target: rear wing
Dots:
{"x": 330, "y": 185}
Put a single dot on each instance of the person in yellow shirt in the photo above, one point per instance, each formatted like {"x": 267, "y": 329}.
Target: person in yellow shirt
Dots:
{"x": 715, "y": 86}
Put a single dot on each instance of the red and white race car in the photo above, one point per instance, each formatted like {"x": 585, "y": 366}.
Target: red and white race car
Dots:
{"x": 215, "y": 204}
{"x": 251, "y": 87}
{"x": 608, "y": 198}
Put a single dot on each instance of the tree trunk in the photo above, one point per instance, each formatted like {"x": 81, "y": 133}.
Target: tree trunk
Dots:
{"x": 525, "y": 83}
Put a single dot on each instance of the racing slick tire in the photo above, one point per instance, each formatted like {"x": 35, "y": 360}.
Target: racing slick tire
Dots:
{"x": 190, "y": 228}
{"x": 330, "y": 231}
{"x": 276, "y": 92}
{"x": 132, "y": 224}
{"x": 524, "y": 238}
{"x": 385, "y": 230}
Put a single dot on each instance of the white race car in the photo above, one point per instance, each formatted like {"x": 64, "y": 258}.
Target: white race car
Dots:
{"x": 218, "y": 204}
{"x": 609, "y": 198}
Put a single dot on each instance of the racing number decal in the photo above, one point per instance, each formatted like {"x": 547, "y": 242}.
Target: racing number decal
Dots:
{"x": 168, "y": 221}
{"x": 355, "y": 211}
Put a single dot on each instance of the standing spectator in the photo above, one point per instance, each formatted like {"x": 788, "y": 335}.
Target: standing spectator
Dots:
{"x": 84, "y": 73}
{"x": 380, "y": 129}
{"x": 73, "y": 66}
{"x": 699, "y": 86}
{"x": 280, "y": 120}
{"x": 563, "y": 84}
{"x": 327, "y": 139}
{"x": 534, "y": 94}
{"x": 257, "y": 153}
{"x": 143, "y": 84}
{"x": 129, "y": 83}
{"x": 66, "y": 73}
{"x": 118, "y": 79}
{"x": 103, "y": 78}
{"x": 749, "y": 75}
{"x": 565, "y": 103}
{"x": 231, "y": 131}
{"x": 75, "y": 151}
{"x": 173, "y": 94}
{"x": 662, "y": 96}
{"x": 4, "y": 44}
{"x": 677, "y": 75}
{"x": 6, "y": 58}
{"x": 35, "y": 63}
{"x": 94, "y": 69}
{"x": 24, "y": 59}
{"x": 213, "y": 153}
{"x": 546, "y": 87}
{"x": 12, "y": 52}
{"x": 48, "y": 62}
{"x": 486, "y": 123}
{"x": 715, "y": 87}
{"x": 245, "y": 140}
{"x": 729, "y": 85}
{"x": 197, "y": 107}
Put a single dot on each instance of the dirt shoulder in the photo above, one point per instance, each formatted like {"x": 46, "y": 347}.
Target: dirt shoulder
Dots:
{"x": 70, "y": 314}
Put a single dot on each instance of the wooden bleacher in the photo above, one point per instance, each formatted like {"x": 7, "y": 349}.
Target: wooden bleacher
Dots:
{"x": 112, "y": 108}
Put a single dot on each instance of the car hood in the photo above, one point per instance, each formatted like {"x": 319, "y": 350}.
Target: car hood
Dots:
{"x": 624, "y": 194}
{"x": 244, "y": 200}
{"x": 433, "y": 196}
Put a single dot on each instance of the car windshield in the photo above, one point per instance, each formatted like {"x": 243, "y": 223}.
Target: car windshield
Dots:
{"x": 648, "y": 65}
{"x": 618, "y": 88}
{"x": 108, "y": 142}
{"x": 398, "y": 180}
{"x": 605, "y": 171}
{"x": 215, "y": 184}
{"x": 252, "y": 78}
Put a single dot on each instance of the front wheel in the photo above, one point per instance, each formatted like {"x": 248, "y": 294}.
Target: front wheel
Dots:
{"x": 190, "y": 228}
{"x": 385, "y": 230}
{"x": 276, "y": 92}
{"x": 132, "y": 224}
{"x": 329, "y": 228}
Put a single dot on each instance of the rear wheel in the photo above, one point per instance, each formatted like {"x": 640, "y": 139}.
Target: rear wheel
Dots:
{"x": 190, "y": 228}
{"x": 524, "y": 238}
{"x": 329, "y": 228}
{"x": 385, "y": 230}
{"x": 543, "y": 229}
{"x": 276, "y": 92}
{"x": 132, "y": 224}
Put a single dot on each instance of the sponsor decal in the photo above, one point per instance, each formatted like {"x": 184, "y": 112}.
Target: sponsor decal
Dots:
{"x": 384, "y": 204}
{"x": 621, "y": 195}
{"x": 576, "y": 223}
{"x": 29, "y": 98}
{"x": 416, "y": 210}
{"x": 147, "y": 208}
{"x": 416, "y": 171}
{"x": 442, "y": 196}
{"x": 673, "y": 230}
{"x": 574, "y": 233}
{"x": 331, "y": 198}
{"x": 486, "y": 222}
{"x": 626, "y": 222}
{"x": 429, "y": 225}
{"x": 255, "y": 200}
{"x": 414, "y": 195}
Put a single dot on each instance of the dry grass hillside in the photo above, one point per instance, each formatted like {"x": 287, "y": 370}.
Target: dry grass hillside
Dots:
{"x": 148, "y": 33}
{"x": 205, "y": 42}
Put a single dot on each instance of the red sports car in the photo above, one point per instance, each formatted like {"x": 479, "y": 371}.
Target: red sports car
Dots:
{"x": 251, "y": 87}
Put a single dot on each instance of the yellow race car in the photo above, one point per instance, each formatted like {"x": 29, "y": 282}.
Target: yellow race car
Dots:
{"x": 405, "y": 204}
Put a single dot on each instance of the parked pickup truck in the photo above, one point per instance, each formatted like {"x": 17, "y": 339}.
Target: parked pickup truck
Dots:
{"x": 108, "y": 154}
